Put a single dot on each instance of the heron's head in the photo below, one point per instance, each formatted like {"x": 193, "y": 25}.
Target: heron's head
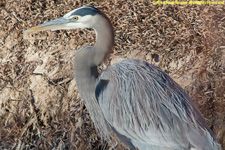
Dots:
{"x": 82, "y": 17}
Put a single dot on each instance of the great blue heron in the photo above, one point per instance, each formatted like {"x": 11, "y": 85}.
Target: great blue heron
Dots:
{"x": 136, "y": 100}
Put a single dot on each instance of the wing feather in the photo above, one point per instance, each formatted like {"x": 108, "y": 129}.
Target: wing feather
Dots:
{"x": 144, "y": 104}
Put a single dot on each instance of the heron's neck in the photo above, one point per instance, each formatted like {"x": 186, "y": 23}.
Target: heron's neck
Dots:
{"x": 88, "y": 58}
{"x": 86, "y": 74}
{"x": 104, "y": 39}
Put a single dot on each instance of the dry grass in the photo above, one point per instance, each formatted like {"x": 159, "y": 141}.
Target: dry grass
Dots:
{"x": 39, "y": 104}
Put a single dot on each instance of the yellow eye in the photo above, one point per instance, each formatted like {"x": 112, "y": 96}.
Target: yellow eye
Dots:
{"x": 75, "y": 18}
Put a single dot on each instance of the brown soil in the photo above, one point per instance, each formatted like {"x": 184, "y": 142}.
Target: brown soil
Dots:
{"x": 40, "y": 107}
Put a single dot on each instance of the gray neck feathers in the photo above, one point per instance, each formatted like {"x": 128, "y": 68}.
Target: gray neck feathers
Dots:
{"x": 104, "y": 38}
{"x": 88, "y": 58}
{"x": 86, "y": 61}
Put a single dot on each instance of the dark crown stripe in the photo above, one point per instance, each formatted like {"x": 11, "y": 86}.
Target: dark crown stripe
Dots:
{"x": 87, "y": 10}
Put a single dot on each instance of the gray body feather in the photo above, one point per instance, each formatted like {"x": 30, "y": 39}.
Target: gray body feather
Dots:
{"x": 144, "y": 104}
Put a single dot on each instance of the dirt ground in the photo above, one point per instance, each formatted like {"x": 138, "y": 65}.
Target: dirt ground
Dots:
{"x": 40, "y": 107}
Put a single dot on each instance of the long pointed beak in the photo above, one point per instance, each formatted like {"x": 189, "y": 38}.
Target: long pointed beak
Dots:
{"x": 56, "y": 24}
